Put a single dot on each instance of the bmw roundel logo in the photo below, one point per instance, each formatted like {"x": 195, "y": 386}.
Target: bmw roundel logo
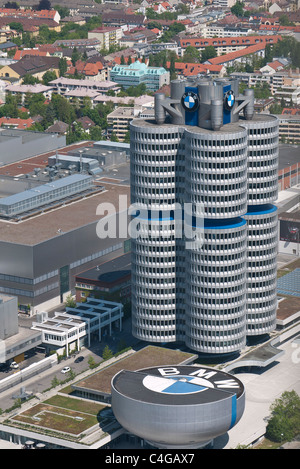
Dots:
{"x": 190, "y": 101}
{"x": 229, "y": 100}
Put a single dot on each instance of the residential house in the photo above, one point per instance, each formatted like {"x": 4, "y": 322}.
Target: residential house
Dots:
{"x": 64, "y": 85}
{"x": 117, "y": 18}
{"x": 35, "y": 66}
{"x": 272, "y": 67}
{"x": 22, "y": 90}
{"x": 58, "y": 127}
{"x": 15, "y": 123}
{"x": 7, "y": 46}
{"x": 21, "y": 13}
{"x": 32, "y": 52}
{"x": 184, "y": 70}
{"x": 86, "y": 123}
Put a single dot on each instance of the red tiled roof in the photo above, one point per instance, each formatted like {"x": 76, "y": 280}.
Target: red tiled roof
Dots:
{"x": 290, "y": 111}
{"x": 191, "y": 69}
{"x": 22, "y": 53}
{"x": 48, "y": 14}
{"x": 276, "y": 64}
{"x": 20, "y": 123}
{"x": 229, "y": 41}
{"x": 222, "y": 59}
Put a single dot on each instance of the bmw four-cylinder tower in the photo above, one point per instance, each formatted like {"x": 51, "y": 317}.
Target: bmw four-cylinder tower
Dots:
{"x": 204, "y": 181}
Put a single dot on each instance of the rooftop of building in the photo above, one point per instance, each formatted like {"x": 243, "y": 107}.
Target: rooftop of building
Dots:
{"x": 288, "y": 155}
{"x": 111, "y": 271}
{"x": 137, "y": 68}
{"x": 65, "y": 218}
{"x": 148, "y": 356}
{"x": 225, "y": 129}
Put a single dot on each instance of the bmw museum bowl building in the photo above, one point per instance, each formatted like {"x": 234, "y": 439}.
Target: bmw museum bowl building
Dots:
{"x": 177, "y": 406}
{"x": 204, "y": 179}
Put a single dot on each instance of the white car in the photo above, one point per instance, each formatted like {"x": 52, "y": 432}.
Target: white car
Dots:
{"x": 14, "y": 365}
{"x": 66, "y": 369}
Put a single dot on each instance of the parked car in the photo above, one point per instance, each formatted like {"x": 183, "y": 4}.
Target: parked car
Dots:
{"x": 66, "y": 369}
{"x": 79, "y": 359}
{"x": 14, "y": 365}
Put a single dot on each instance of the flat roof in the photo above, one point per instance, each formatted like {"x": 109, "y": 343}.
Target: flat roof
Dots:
{"x": 288, "y": 155}
{"x": 110, "y": 271}
{"x": 148, "y": 356}
{"x": 43, "y": 189}
{"x": 45, "y": 226}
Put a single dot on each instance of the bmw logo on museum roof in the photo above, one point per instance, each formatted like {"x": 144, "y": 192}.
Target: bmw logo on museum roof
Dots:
{"x": 190, "y": 101}
{"x": 176, "y": 406}
{"x": 229, "y": 100}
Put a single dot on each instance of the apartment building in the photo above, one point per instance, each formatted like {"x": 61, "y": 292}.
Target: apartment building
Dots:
{"x": 226, "y": 45}
{"x": 119, "y": 120}
{"x": 107, "y": 36}
{"x": 289, "y": 128}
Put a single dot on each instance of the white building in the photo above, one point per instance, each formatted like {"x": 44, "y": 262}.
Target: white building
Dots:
{"x": 68, "y": 331}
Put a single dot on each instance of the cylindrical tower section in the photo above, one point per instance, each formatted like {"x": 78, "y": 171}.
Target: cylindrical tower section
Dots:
{"x": 216, "y": 289}
{"x": 262, "y": 224}
{"x": 216, "y": 185}
{"x": 262, "y": 241}
{"x": 262, "y": 159}
{"x": 153, "y": 158}
{"x": 216, "y": 171}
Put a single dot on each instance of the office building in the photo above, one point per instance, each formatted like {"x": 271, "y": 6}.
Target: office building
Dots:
{"x": 107, "y": 36}
{"x": 204, "y": 178}
{"x": 43, "y": 248}
{"x": 137, "y": 73}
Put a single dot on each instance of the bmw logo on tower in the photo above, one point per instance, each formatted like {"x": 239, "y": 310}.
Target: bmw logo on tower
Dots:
{"x": 229, "y": 100}
{"x": 190, "y": 101}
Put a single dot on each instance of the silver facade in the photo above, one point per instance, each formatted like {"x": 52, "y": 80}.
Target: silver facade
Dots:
{"x": 222, "y": 163}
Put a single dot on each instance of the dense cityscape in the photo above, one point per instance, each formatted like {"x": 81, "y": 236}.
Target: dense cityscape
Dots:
{"x": 149, "y": 227}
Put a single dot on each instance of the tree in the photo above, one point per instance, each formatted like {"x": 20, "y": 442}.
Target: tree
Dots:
{"x": 191, "y": 55}
{"x": 63, "y": 11}
{"x": 63, "y": 66}
{"x": 13, "y": 5}
{"x": 284, "y": 423}
{"x": 91, "y": 362}
{"x": 16, "y": 26}
{"x": 113, "y": 137}
{"x": 284, "y": 21}
{"x": 238, "y": 9}
{"x": 70, "y": 302}
{"x": 30, "y": 80}
{"x": 107, "y": 353}
{"x": 208, "y": 53}
{"x": 75, "y": 56}
{"x": 44, "y": 5}
{"x": 49, "y": 76}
